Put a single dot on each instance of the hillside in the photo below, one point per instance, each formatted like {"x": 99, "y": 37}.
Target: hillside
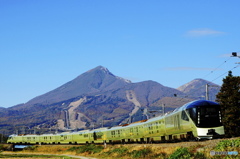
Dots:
{"x": 197, "y": 89}
{"x": 96, "y": 98}
{"x": 93, "y": 81}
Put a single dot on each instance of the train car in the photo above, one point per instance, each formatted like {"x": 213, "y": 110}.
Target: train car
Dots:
{"x": 135, "y": 132}
{"x": 115, "y": 134}
{"x": 178, "y": 125}
{"x": 47, "y": 139}
{"x": 154, "y": 130}
{"x": 199, "y": 119}
{"x": 14, "y": 139}
{"x": 98, "y": 135}
{"x": 206, "y": 119}
{"x": 81, "y": 137}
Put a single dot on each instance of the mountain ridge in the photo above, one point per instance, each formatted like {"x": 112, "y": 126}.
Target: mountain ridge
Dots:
{"x": 94, "y": 96}
{"x": 198, "y": 87}
{"x": 90, "y": 82}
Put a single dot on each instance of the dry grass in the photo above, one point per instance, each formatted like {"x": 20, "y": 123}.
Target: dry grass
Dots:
{"x": 47, "y": 149}
{"x": 128, "y": 151}
{"x": 37, "y": 158}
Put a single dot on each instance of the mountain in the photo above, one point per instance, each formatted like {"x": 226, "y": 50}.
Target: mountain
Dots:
{"x": 96, "y": 98}
{"x": 2, "y": 108}
{"x": 197, "y": 89}
{"x": 91, "y": 82}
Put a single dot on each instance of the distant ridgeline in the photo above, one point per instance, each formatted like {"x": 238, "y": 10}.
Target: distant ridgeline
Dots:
{"x": 98, "y": 98}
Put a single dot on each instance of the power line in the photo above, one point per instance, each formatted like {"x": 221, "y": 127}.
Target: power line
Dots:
{"x": 226, "y": 72}
{"x": 217, "y": 67}
{"x": 234, "y": 54}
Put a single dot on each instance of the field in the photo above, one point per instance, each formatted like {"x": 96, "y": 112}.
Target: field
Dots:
{"x": 191, "y": 150}
{"x": 29, "y": 156}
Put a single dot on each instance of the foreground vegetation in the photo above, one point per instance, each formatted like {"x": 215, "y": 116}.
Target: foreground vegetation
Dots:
{"x": 28, "y": 156}
{"x": 196, "y": 150}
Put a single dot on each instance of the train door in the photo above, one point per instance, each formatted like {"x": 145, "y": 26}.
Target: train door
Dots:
{"x": 185, "y": 122}
{"x": 176, "y": 122}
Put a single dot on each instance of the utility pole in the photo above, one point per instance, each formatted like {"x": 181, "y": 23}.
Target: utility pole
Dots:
{"x": 207, "y": 92}
{"x": 163, "y": 109}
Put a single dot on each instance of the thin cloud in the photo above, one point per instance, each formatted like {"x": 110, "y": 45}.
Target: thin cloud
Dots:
{"x": 225, "y": 55}
{"x": 203, "y": 32}
{"x": 187, "y": 69}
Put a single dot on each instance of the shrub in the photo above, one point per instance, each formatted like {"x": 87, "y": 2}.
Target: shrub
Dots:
{"x": 30, "y": 148}
{"x": 199, "y": 155}
{"x": 225, "y": 144}
{"x": 181, "y": 153}
{"x": 5, "y": 147}
{"x": 141, "y": 153}
{"x": 87, "y": 148}
{"x": 1, "y": 147}
{"x": 120, "y": 151}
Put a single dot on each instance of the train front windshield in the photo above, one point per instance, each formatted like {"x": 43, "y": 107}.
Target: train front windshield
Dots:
{"x": 206, "y": 116}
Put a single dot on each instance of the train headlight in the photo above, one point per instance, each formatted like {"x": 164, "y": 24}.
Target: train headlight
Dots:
{"x": 220, "y": 117}
{"x": 198, "y": 117}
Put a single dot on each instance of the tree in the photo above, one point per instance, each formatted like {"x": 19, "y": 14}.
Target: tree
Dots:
{"x": 229, "y": 99}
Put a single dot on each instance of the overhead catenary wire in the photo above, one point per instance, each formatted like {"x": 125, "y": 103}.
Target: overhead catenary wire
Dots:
{"x": 226, "y": 72}
{"x": 200, "y": 87}
{"x": 217, "y": 68}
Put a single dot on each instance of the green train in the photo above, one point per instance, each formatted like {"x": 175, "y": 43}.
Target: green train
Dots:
{"x": 200, "y": 119}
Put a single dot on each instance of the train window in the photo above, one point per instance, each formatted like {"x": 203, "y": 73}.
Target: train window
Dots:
{"x": 193, "y": 114}
{"x": 184, "y": 116}
{"x": 209, "y": 116}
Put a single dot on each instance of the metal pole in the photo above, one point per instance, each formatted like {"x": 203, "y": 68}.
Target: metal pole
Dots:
{"x": 207, "y": 93}
{"x": 163, "y": 107}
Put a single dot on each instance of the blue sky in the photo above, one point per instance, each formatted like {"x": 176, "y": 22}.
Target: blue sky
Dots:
{"x": 46, "y": 43}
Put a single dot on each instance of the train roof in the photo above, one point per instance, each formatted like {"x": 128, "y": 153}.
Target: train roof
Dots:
{"x": 192, "y": 104}
{"x": 195, "y": 103}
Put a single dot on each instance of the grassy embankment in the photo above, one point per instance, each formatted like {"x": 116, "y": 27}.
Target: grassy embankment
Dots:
{"x": 198, "y": 150}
